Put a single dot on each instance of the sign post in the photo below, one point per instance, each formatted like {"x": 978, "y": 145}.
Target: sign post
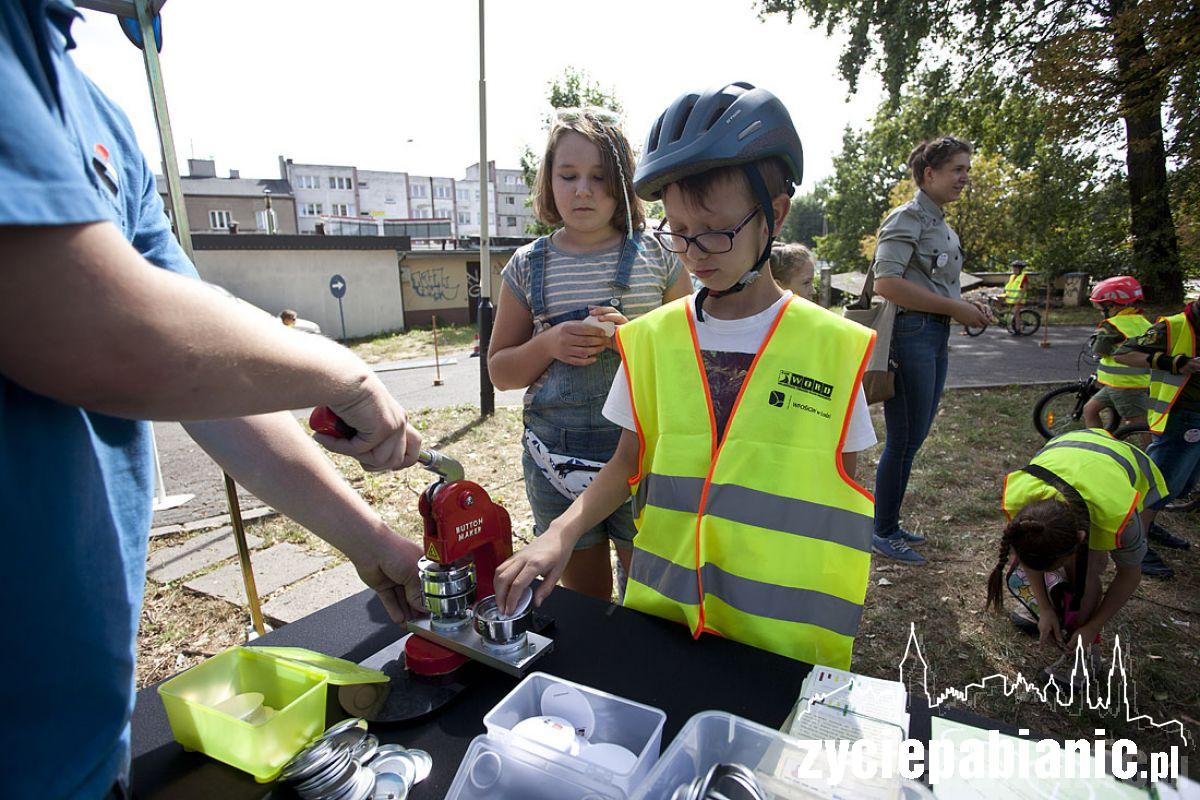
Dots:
{"x": 337, "y": 288}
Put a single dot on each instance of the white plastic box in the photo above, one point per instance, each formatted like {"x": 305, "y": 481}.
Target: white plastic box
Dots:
{"x": 532, "y": 770}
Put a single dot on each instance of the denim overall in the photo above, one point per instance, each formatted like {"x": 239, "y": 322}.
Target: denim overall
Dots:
{"x": 565, "y": 411}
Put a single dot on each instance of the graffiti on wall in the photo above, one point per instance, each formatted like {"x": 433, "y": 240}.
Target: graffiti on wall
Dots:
{"x": 434, "y": 284}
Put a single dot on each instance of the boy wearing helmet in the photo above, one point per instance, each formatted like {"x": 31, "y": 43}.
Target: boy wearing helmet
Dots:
{"x": 1016, "y": 292}
{"x": 742, "y": 409}
{"x": 1126, "y": 388}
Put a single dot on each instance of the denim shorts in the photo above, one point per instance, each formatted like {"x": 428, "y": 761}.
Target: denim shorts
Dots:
{"x": 548, "y": 504}
{"x": 1176, "y": 453}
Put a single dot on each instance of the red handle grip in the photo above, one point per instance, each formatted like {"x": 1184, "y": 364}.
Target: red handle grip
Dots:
{"x": 323, "y": 420}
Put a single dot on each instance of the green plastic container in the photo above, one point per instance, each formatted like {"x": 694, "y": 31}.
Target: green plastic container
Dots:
{"x": 293, "y": 681}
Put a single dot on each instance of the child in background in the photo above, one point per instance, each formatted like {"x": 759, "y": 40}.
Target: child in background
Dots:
{"x": 742, "y": 409}
{"x": 1126, "y": 389}
{"x": 562, "y": 296}
{"x": 793, "y": 267}
{"x": 1016, "y": 292}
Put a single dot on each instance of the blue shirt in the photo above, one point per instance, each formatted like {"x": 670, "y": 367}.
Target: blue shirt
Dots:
{"x": 77, "y": 485}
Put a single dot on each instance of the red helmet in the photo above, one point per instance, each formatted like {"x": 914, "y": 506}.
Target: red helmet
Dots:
{"x": 1124, "y": 290}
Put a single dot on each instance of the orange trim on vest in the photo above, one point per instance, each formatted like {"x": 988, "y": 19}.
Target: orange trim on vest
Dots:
{"x": 837, "y": 456}
{"x": 637, "y": 424}
{"x": 1137, "y": 498}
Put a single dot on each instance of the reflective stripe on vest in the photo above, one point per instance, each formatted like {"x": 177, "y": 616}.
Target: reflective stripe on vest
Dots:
{"x": 759, "y": 537}
{"x": 1116, "y": 486}
{"x": 1014, "y": 289}
{"x": 1111, "y": 372}
{"x": 1165, "y": 387}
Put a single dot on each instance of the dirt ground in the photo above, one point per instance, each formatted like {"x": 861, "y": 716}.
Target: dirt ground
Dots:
{"x": 953, "y": 498}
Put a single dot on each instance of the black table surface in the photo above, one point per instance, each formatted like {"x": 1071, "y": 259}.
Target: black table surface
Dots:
{"x": 596, "y": 644}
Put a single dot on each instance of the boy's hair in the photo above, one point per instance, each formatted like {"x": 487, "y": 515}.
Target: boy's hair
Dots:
{"x": 601, "y": 128}
{"x": 287, "y": 316}
{"x": 934, "y": 153}
{"x": 792, "y": 262}
{"x": 697, "y": 188}
{"x": 1040, "y": 534}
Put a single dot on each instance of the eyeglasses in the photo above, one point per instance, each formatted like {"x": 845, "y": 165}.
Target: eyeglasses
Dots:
{"x": 711, "y": 242}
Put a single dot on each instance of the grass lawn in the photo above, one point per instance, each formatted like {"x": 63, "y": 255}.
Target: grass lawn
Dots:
{"x": 413, "y": 343}
{"x": 953, "y": 498}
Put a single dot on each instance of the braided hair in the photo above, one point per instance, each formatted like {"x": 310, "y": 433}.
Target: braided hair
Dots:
{"x": 1040, "y": 535}
{"x": 934, "y": 153}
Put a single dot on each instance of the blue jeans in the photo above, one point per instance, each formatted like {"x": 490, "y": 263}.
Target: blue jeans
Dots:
{"x": 919, "y": 348}
{"x": 1176, "y": 457}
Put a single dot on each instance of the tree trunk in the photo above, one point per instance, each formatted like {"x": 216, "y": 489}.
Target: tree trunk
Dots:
{"x": 1155, "y": 246}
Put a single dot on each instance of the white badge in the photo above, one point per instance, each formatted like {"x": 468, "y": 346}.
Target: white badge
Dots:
{"x": 943, "y": 259}
{"x": 1192, "y": 436}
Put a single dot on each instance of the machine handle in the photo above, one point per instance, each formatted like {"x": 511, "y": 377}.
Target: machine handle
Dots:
{"x": 323, "y": 420}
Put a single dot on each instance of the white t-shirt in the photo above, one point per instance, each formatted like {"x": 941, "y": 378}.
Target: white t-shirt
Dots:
{"x": 730, "y": 344}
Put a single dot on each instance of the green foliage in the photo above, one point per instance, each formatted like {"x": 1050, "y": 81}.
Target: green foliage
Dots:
{"x": 1032, "y": 194}
{"x": 804, "y": 221}
{"x": 575, "y": 88}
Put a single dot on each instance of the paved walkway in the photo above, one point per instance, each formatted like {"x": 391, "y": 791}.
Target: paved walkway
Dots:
{"x": 294, "y": 583}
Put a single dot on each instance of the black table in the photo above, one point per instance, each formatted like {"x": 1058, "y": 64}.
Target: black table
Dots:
{"x": 596, "y": 644}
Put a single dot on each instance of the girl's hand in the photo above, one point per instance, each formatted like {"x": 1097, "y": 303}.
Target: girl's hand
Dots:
{"x": 547, "y": 555}
{"x": 609, "y": 314}
{"x": 575, "y": 343}
{"x": 1049, "y": 629}
{"x": 1087, "y": 633}
{"x": 971, "y": 315}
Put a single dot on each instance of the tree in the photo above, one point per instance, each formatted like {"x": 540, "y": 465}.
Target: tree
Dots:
{"x": 1108, "y": 67}
{"x": 805, "y": 221}
{"x": 573, "y": 89}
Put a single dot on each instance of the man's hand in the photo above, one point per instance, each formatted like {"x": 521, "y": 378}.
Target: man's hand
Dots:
{"x": 384, "y": 439}
{"x": 391, "y": 570}
{"x": 575, "y": 343}
{"x": 547, "y": 555}
{"x": 1048, "y": 628}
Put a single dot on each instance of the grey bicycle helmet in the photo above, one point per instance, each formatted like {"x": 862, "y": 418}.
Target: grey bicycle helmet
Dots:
{"x": 736, "y": 124}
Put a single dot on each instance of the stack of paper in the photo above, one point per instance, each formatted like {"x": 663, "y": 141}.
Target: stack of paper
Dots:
{"x": 841, "y": 705}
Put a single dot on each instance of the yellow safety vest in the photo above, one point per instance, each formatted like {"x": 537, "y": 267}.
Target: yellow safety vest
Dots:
{"x": 1165, "y": 388}
{"x": 1111, "y": 372}
{"x": 1116, "y": 479}
{"x": 1014, "y": 290}
{"x": 761, "y": 536}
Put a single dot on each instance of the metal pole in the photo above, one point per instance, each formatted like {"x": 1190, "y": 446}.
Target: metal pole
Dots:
{"x": 1046, "y": 322}
{"x": 239, "y": 536}
{"x": 342, "y": 314}
{"x": 166, "y": 140}
{"x": 487, "y": 396}
{"x": 162, "y": 118}
{"x": 437, "y": 359}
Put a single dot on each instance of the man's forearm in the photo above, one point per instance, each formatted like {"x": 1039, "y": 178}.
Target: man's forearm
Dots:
{"x": 272, "y": 457}
{"x": 85, "y": 320}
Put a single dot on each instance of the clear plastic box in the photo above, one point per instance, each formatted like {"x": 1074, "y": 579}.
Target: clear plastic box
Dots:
{"x": 497, "y": 769}
{"x": 716, "y": 737}
{"x": 634, "y": 726}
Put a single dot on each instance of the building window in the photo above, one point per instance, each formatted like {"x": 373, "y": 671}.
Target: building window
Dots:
{"x": 463, "y": 195}
{"x": 510, "y": 222}
{"x": 219, "y": 220}
{"x": 312, "y": 209}
{"x": 336, "y": 182}
{"x": 418, "y": 190}
{"x": 477, "y": 195}
{"x": 510, "y": 179}
{"x": 509, "y": 200}
{"x": 464, "y": 218}
{"x": 308, "y": 182}
{"x": 339, "y": 209}
{"x": 441, "y": 192}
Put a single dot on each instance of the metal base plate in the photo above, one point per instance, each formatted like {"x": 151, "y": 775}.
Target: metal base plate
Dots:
{"x": 466, "y": 641}
{"x": 406, "y": 696}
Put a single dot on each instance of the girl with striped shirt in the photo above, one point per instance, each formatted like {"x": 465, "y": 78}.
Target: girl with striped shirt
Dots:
{"x": 561, "y": 299}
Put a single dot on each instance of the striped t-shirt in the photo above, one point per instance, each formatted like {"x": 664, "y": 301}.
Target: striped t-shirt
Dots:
{"x": 575, "y": 281}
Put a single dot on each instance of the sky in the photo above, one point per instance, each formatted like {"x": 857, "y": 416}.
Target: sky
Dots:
{"x": 353, "y": 82}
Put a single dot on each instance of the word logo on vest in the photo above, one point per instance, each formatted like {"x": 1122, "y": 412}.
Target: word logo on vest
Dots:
{"x": 800, "y": 383}
{"x": 794, "y": 380}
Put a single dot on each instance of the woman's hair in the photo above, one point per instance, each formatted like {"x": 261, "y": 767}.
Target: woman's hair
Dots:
{"x": 1040, "y": 534}
{"x": 601, "y": 128}
{"x": 934, "y": 153}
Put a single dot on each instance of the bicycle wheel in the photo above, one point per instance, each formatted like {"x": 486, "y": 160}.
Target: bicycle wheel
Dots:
{"x": 1060, "y": 410}
{"x": 1030, "y": 322}
{"x": 1137, "y": 435}
{"x": 973, "y": 331}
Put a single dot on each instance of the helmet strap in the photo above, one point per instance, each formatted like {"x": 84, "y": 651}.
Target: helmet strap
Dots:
{"x": 759, "y": 187}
